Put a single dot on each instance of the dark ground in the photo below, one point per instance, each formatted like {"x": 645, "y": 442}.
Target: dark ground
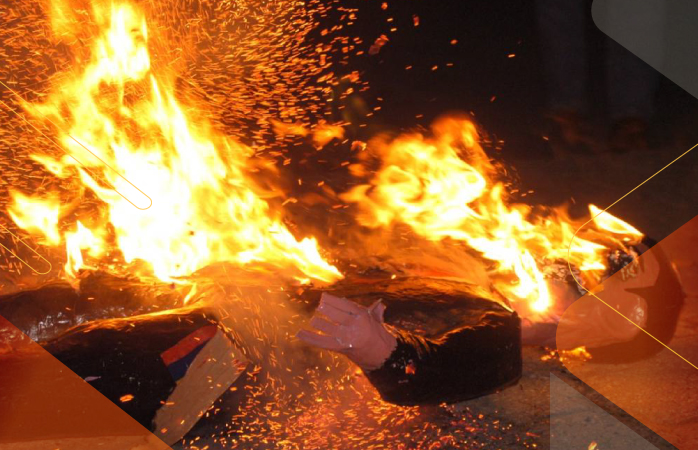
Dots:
{"x": 507, "y": 97}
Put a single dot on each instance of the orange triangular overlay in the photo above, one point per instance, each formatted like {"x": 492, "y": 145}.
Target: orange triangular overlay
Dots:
{"x": 640, "y": 334}
{"x": 44, "y": 405}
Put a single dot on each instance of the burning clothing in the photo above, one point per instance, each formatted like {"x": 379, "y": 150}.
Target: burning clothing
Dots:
{"x": 465, "y": 363}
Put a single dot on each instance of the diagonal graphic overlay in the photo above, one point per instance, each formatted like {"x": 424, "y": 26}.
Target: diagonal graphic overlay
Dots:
{"x": 576, "y": 422}
{"x": 18, "y": 239}
{"x": 656, "y": 387}
{"x": 44, "y": 405}
{"x": 594, "y": 291}
{"x": 661, "y": 33}
{"x": 629, "y": 367}
{"x": 141, "y": 200}
{"x": 627, "y": 321}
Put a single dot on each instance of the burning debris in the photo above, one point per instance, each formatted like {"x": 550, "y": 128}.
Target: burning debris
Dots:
{"x": 119, "y": 121}
{"x": 477, "y": 351}
{"x": 444, "y": 186}
{"x": 137, "y": 360}
{"x": 126, "y": 138}
{"x": 647, "y": 297}
{"x": 164, "y": 370}
{"x": 170, "y": 235}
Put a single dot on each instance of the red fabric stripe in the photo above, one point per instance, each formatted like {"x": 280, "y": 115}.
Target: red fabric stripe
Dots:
{"x": 188, "y": 344}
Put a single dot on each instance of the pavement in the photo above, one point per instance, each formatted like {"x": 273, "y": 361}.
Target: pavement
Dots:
{"x": 658, "y": 391}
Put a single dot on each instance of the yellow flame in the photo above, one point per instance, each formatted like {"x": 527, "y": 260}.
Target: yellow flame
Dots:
{"x": 36, "y": 216}
{"x": 324, "y": 133}
{"x": 126, "y": 135}
{"x": 75, "y": 243}
{"x": 606, "y": 221}
{"x": 444, "y": 186}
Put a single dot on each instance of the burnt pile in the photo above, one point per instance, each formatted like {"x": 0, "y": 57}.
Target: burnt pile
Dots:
{"x": 136, "y": 345}
{"x": 163, "y": 365}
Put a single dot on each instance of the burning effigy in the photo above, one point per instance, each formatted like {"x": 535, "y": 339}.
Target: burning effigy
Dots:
{"x": 159, "y": 242}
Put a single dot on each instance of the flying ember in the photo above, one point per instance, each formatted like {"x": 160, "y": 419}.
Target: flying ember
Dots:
{"x": 170, "y": 190}
{"x": 165, "y": 188}
{"x": 444, "y": 186}
{"x": 207, "y": 181}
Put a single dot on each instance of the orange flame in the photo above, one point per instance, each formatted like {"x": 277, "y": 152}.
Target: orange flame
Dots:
{"x": 611, "y": 223}
{"x": 39, "y": 217}
{"x": 444, "y": 187}
{"x": 78, "y": 241}
{"x": 130, "y": 140}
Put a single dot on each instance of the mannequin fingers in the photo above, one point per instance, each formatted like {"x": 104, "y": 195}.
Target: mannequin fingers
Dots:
{"x": 377, "y": 310}
{"x": 318, "y": 340}
{"x": 336, "y": 315}
{"x": 340, "y": 303}
{"x": 325, "y": 326}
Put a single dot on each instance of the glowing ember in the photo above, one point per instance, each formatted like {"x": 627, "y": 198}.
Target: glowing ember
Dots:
{"x": 445, "y": 187}
{"x": 322, "y": 133}
{"x": 130, "y": 140}
{"x": 144, "y": 176}
{"x": 347, "y": 413}
{"x": 37, "y": 216}
{"x": 576, "y": 354}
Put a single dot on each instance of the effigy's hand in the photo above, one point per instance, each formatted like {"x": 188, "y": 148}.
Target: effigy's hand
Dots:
{"x": 351, "y": 329}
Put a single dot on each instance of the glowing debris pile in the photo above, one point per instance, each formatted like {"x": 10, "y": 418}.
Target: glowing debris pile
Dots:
{"x": 121, "y": 168}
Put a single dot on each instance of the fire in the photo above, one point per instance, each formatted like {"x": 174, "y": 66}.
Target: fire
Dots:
{"x": 613, "y": 224}
{"x": 575, "y": 354}
{"x": 152, "y": 184}
{"x": 445, "y": 187}
{"x": 78, "y": 241}
{"x": 167, "y": 189}
{"x": 322, "y": 133}
{"x": 37, "y": 216}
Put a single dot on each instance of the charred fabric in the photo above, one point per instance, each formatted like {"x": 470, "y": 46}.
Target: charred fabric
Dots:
{"x": 134, "y": 344}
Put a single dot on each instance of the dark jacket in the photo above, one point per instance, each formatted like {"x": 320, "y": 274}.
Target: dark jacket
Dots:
{"x": 462, "y": 364}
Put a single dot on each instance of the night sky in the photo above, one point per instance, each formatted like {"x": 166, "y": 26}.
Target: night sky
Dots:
{"x": 496, "y": 71}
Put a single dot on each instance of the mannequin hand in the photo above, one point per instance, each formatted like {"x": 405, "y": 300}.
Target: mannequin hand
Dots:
{"x": 352, "y": 330}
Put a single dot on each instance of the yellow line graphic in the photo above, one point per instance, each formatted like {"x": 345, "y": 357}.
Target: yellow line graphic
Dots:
{"x": 50, "y": 267}
{"x": 594, "y": 291}
{"x": 149, "y": 201}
